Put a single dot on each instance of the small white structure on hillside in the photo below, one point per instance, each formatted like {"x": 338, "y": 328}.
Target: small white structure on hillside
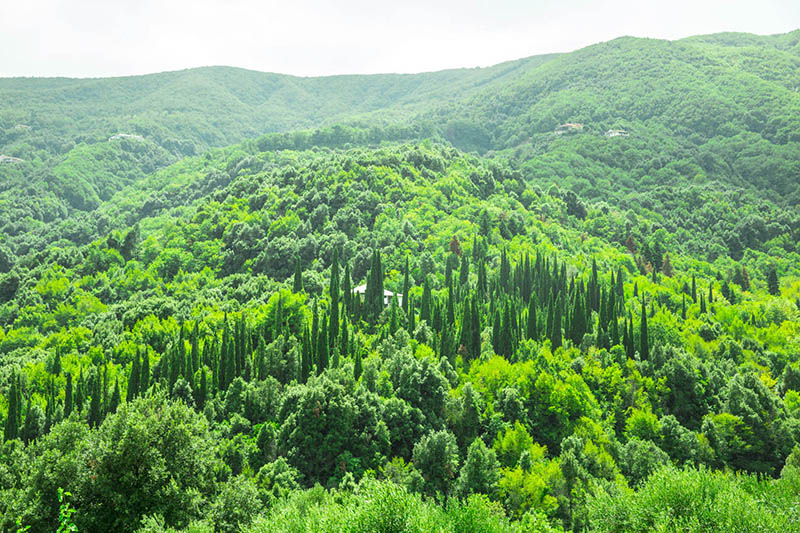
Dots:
{"x": 617, "y": 133}
{"x": 361, "y": 290}
{"x": 126, "y": 136}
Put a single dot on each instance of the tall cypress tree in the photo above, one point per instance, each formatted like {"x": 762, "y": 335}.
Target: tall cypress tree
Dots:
{"x": 297, "y": 285}
{"x": 475, "y": 345}
{"x": 773, "y": 285}
{"x": 578, "y": 325}
{"x": 406, "y": 287}
{"x": 344, "y": 345}
{"x": 393, "y": 317}
{"x": 322, "y": 346}
{"x": 195, "y": 354}
{"x": 531, "y": 329}
{"x": 683, "y": 307}
{"x": 314, "y": 331}
{"x": 631, "y": 348}
{"x": 694, "y": 289}
{"x": 133, "y": 379}
{"x": 463, "y": 273}
{"x": 305, "y": 361}
{"x": 94, "y": 405}
{"x": 425, "y": 311}
{"x": 550, "y": 318}
{"x": 357, "y": 366}
{"x": 333, "y": 327}
{"x": 496, "y": 332}
{"x": 505, "y": 272}
{"x": 203, "y": 392}
{"x": 644, "y": 347}
{"x": 347, "y": 290}
{"x": 68, "y": 396}
{"x": 115, "y": 397}
{"x": 411, "y": 315}
{"x": 556, "y": 337}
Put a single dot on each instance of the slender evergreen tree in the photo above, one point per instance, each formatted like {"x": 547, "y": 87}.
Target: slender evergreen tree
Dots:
{"x": 644, "y": 347}
{"x": 556, "y": 336}
{"x": 297, "y": 285}
{"x": 333, "y": 326}
{"x": 322, "y": 346}
{"x": 68, "y": 396}
{"x": 133, "y": 379}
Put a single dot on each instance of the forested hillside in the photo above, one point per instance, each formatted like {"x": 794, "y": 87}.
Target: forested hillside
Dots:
{"x": 582, "y": 332}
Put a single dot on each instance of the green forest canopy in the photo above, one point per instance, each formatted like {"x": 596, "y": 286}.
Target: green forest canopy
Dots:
{"x": 594, "y": 329}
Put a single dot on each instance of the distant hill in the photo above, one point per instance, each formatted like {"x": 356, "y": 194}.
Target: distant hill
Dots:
{"x": 718, "y": 111}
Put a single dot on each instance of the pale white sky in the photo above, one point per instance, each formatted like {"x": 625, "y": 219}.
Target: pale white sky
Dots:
{"x": 317, "y": 37}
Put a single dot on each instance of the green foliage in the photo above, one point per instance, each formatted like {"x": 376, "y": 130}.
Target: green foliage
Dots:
{"x": 696, "y": 500}
{"x": 549, "y": 354}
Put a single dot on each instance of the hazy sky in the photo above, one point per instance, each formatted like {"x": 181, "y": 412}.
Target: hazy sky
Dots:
{"x": 317, "y": 37}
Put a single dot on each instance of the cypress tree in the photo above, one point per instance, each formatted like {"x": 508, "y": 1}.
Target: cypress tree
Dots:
{"x": 683, "y": 307}
{"x": 230, "y": 362}
{"x": 393, "y": 317}
{"x": 305, "y": 362}
{"x": 94, "y": 405}
{"x": 773, "y": 285}
{"x": 578, "y": 325}
{"x": 357, "y": 366}
{"x": 475, "y": 344}
{"x": 483, "y": 288}
{"x": 68, "y": 396}
{"x": 297, "y": 285}
{"x": 614, "y": 331}
{"x": 333, "y": 327}
{"x": 451, "y": 314}
{"x": 710, "y": 293}
{"x": 531, "y": 326}
{"x": 195, "y": 353}
{"x": 464, "y": 338}
{"x": 411, "y": 314}
{"x": 550, "y": 318}
{"x": 314, "y": 332}
{"x": 203, "y": 393}
{"x": 80, "y": 392}
{"x": 625, "y": 340}
{"x": 556, "y": 336}
{"x": 694, "y": 289}
{"x": 631, "y": 348}
{"x": 347, "y": 290}
{"x": 406, "y": 287}
{"x": 463, "y": 273}
{"x": 644, "y": 350}
{"x": 57, "y": 362}
{"x": 496, "y": 326}
{"x": 505, "y": 271}
{"x": 425, "y": 311}
{"x": 702, "y": 305}
{"x": 116, "y": 398}
{"x": 133, "y": 379}
{"x": 344, "y": 345}
{"x": 322, "y": 346}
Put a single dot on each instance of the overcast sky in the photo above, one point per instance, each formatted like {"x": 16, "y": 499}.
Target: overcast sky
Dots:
{"x": 315, "y": 37}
